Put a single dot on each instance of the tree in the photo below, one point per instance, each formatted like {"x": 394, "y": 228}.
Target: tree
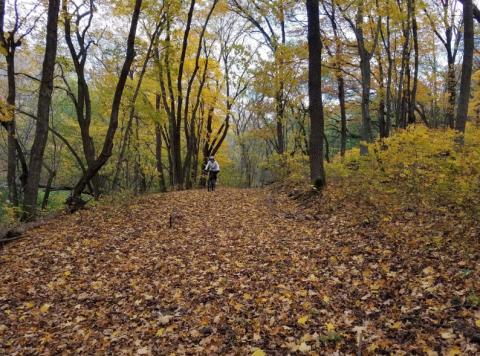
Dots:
{"x": 180, "y": 101}
{"x": 413, "y": 103}
{"x": 317, "y": 172}
{"x": 270, "y": 20}
{"x": 82, "y": 101}
{"x": 468, "y": 48}
{"x": 43, "y": 111}
{"x": 234, "y": 61}
{"x": 450, "y": 40}
{"x": 366, "y": 55}
{"x": 337, "y": 67}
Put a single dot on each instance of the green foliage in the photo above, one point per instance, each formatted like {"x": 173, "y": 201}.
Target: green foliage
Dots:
{"x": 9, "y": 214}
{"x": 473, "y": 298}
{"x": 56, "y": 200}
{"x": 332, "y": 336}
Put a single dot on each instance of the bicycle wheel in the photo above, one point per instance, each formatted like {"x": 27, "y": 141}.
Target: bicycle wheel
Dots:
{"x": 210, "y": 184}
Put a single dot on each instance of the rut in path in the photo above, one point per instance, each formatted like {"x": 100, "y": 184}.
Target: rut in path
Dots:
{"x": 240, "y": 272}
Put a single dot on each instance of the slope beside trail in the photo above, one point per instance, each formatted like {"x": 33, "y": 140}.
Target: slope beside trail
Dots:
{"x": 233, "y": 272}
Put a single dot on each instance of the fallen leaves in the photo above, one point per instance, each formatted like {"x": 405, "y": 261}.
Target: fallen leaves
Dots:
{"x": 45, "y": 307}
{"x": 165, "y": 319}
{"x": 302, "y": 320}
{"x": 143, "y": 351}
{"x": 229, "y": 278}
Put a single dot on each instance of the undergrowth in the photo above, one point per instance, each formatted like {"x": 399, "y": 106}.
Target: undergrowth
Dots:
{"x": 418, "y": 183}
{"x": 417, "y": 169}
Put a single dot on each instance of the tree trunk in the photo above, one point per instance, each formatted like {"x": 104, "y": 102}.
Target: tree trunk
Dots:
{"x": 280, "y": 118}
{"x": 382, "y": 125}
{"x": 48, "y": 187}
{"x": 279, "y": 97}
{"x": 365, "y": 69}
{"x": 451, "y": 46}
{"x": 158, "y": 156}
{"x": 158, "y": 149}
{"x": 466, "y": 78}
{"x": 190, "y": 124}
{"x": 366, "y": 127}
{"x": 340, "y": 80}
{"x": 317, "y": 172}
{"x": 388, "y": 113}
{"x": 43, "y": 110}
{"x": 399, "y": 116}
{"x": 413, "y": 94}
{"x": 12, "y": 166}
{"x": 451, "y": 92}
{"x": 166, "y": 132}
{"x": 406, "y": 94}
{"x": 10, "y": 127}
{"x": 176, "y": 134}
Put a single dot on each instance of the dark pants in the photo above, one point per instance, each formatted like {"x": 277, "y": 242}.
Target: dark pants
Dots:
{"x": 213, "y": 174}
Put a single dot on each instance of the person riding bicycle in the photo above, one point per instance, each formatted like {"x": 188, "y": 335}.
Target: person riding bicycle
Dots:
{"x": 213, "y": 166}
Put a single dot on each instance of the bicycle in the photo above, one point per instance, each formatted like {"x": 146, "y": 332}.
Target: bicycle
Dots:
{"x": 212, "y": 181}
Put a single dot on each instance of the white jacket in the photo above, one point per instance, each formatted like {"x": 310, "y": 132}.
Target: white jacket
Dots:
{"x": 213, "y": 166}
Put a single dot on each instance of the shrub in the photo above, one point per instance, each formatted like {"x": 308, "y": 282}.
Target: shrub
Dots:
{"x": 417, "y": 168}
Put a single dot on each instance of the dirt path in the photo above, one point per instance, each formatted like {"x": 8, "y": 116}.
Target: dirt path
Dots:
{"x": 239, "y": 273}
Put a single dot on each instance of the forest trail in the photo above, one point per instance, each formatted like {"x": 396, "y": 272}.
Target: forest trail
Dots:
{"x": 239, "y": 272}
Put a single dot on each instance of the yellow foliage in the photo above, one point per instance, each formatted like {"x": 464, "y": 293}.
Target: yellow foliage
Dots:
{"x": 415, "y": 169}
{"x": 6, "y": 111}
{"x": 474, "y": 106}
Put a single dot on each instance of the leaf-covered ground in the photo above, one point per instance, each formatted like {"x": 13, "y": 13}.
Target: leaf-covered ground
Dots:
{"x": 240, "y": 272}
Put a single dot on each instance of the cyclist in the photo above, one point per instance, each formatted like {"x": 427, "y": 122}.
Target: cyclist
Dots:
{"x": 214, "y": 168}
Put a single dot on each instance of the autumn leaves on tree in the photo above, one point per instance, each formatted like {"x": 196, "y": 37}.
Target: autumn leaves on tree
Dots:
{"x": 140, "y": 103}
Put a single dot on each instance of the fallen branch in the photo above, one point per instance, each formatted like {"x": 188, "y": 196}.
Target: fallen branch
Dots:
{"x": 458, "y": 306}
{"x": 360, "y": 344}
{"x": 8, "y": 235}
{"x": 74, "y": 204}
{"x": 13, "y": 238}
